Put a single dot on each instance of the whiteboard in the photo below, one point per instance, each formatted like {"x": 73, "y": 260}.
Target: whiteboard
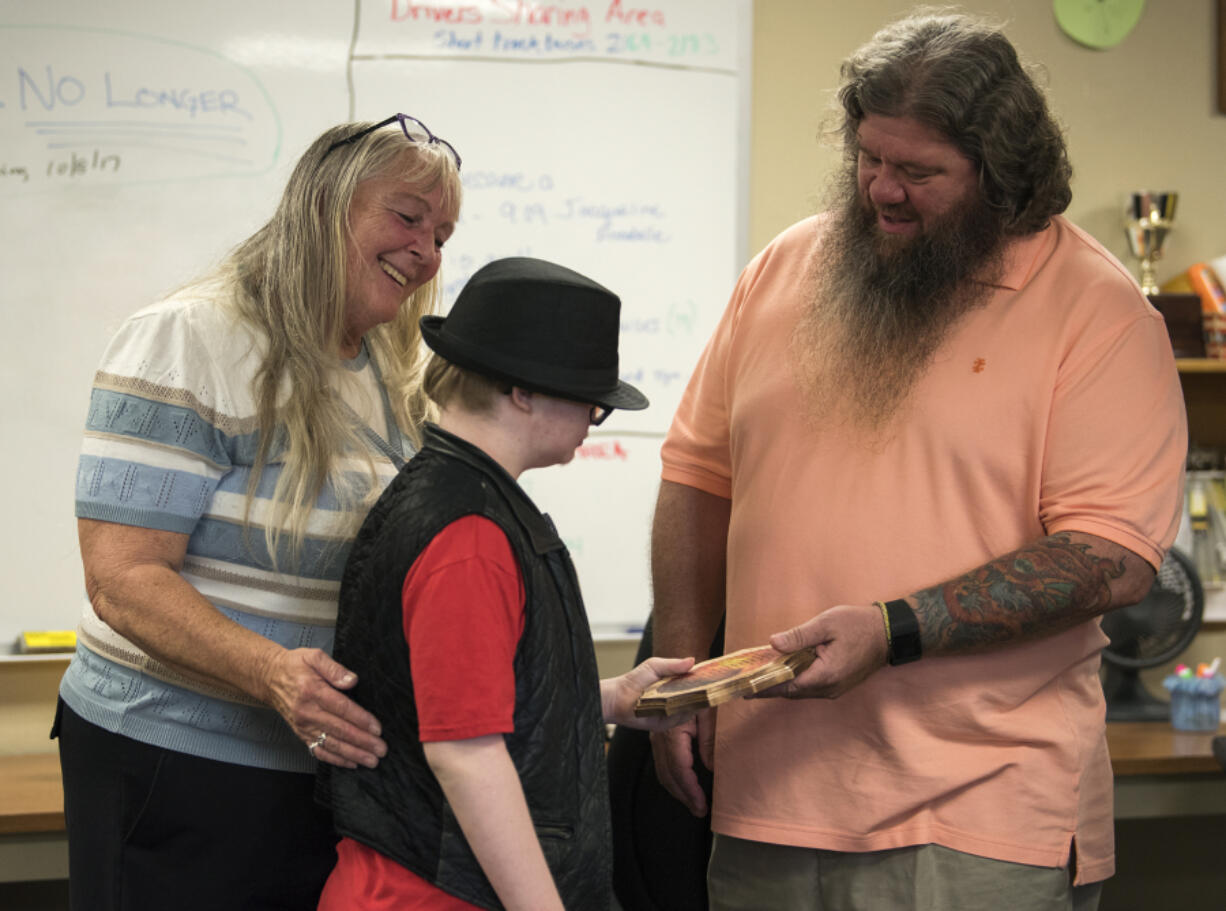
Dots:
{"x": 140, "y": 141}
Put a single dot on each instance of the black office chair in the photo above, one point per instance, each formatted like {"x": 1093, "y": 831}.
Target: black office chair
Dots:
{"x": 1219, "y": 750}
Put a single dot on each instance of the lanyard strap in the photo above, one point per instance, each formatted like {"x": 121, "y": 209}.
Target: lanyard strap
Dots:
{"x": 376, "y": 441}
{"x": 393, "y": 429}
{"x": 392, "y": 447}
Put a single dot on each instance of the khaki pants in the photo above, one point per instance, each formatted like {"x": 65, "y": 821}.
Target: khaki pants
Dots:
{"x": 755, "y": 876}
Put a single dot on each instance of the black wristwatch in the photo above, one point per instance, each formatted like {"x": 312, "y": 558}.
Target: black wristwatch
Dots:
{"x": 904, "y": 632}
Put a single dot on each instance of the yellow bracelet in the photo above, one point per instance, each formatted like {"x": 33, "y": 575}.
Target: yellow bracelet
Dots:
{"x": 885, "y": 615}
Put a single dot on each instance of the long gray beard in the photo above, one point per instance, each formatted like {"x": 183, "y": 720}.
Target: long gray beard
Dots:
{"x": 880, "y": 307}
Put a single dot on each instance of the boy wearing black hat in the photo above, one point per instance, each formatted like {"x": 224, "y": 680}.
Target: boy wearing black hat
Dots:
{"x": 461, "y": 614}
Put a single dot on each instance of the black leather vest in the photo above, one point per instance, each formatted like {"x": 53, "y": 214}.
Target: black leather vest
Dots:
{"x": 558, "y": 743}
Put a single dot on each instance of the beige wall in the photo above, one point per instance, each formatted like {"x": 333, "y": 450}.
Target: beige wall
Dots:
{"x": 27, "y": 704}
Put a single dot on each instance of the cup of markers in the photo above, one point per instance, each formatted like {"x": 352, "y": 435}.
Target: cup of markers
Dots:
{"x": 1196, "y": 697}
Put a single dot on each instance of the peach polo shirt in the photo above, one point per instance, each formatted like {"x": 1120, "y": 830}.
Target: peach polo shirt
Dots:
{"x": 1056, "y": 406}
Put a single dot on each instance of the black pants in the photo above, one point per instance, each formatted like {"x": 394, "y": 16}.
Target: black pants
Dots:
{"x": 151, "y": 829}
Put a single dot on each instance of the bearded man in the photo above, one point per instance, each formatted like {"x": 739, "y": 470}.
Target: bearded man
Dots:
{"x": 936, "y": 422}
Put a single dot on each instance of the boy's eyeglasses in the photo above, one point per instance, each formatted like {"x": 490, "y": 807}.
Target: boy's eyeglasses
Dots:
{"x": 597, "y": 414}
{"x": 414, "y": 131}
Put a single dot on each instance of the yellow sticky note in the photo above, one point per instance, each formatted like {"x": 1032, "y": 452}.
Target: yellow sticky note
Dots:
{"x": 52, "y": 640}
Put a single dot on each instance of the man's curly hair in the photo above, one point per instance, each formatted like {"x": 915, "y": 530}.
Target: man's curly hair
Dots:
{"x": 962, "y": 77}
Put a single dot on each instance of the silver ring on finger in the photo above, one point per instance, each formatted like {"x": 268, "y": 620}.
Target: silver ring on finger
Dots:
{"x": 317, "y": 743}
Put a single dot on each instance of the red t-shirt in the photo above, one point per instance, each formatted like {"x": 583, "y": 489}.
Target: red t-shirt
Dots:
{"x": 463, "y": 604}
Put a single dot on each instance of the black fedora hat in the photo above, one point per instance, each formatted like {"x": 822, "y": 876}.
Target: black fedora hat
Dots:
{"x": 540, "y": 326}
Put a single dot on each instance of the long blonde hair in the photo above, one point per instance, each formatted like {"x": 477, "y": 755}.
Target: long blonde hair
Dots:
{"x": 288, "y": 282}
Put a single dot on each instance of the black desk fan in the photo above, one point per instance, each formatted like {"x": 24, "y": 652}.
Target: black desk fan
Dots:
{"x": 1149, "y": 633}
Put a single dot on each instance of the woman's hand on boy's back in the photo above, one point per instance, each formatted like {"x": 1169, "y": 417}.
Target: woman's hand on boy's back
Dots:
{"x": 619, "y": 694}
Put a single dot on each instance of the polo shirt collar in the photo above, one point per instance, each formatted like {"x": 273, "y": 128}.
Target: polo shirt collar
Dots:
{"x": 1024, "y": 256}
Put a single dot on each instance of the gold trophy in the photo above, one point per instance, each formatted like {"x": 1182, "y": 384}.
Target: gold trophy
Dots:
{"x": 1147, "y": 219}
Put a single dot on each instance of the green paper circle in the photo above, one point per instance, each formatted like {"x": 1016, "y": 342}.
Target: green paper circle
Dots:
{"x": 1099, "y": 24}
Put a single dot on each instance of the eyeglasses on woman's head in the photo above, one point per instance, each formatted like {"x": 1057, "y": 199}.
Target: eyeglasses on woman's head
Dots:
{"x": 414, "y": 131}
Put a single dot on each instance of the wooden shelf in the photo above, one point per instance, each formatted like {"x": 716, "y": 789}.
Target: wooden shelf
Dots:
{"x": 1200, "y": 365}
{"x": 31, "y": 795}
{"x": 1204, "y": 394}
{"x": 1155, "y": 748}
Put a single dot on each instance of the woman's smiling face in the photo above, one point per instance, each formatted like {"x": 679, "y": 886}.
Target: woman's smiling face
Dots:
{"x": 395, "y": 247}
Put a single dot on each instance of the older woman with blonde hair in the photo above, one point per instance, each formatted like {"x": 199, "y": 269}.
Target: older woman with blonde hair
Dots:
{"x": 237, "y": 434}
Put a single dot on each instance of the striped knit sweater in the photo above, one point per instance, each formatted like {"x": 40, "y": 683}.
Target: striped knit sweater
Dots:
{"x": 169, "y": 443}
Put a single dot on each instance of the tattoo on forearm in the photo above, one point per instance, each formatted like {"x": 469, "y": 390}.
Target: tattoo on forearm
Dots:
{"x": 1041, "y": 589}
